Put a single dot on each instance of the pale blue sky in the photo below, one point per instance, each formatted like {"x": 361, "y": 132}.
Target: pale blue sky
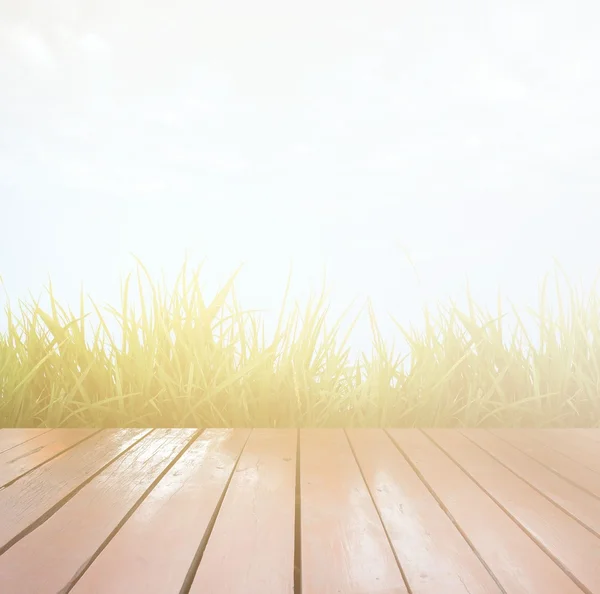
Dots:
{"x": 330, "y": 133}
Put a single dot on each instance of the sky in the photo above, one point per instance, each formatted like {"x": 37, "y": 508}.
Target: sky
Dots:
{"x": 332, "y": 135}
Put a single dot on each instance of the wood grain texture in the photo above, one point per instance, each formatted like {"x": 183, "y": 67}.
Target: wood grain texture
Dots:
{"x": 432, "y": 553}
{"x": 9, "y": 438}
{"x": 574, "y": 547}
{"x": 556, "y": 461}
{"x": 251, "y": 547}
{"x": 127, "y": 511}
{"x": 81, "y": 526}
{"x": 23, "y": 458}
{"x": 572, "y": 444}
{"x": 40, "y": 491}
{"x": 344, "y": 545}
{"x": 519, "y": 565}
{"x": 575, "y": 501}
{"x": 155, "y": 548}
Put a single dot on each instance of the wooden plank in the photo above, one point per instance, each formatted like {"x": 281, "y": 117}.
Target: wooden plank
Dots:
{"x": 585, "y": 452}
{"x": 592, "y": 434}
{"x": 518, "y": 564}
{"x": 584, "y": 435}
{"x": 155, "y": 548}
{"x": 40, "y": 491}
{"x": 23, "y": 458}
{"x": 573, "y": 500}
{"x": 552, "y": 459}
{"x": 9, "y": 438}
{"x": 251, "y": 547}
{"x": 50, "y": 559}
{"x": 344, "y": 546}
{"x": 569, "y": 543}
{"x": 432, "y": 553}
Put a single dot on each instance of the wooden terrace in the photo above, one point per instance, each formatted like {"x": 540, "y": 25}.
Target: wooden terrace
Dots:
{"x": 314, "y": 511}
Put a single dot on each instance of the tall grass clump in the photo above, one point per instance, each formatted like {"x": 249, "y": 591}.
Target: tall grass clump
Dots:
{"x": 170, "y": 358}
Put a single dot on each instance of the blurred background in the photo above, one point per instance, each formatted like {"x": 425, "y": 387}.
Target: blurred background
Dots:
{"x": 340, "y": 137}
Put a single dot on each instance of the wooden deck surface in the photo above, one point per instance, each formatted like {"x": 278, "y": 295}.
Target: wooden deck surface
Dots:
{"x": 316, "y": 511}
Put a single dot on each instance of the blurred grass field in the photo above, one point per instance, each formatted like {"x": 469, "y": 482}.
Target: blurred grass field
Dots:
{"x": 178, "y": 360}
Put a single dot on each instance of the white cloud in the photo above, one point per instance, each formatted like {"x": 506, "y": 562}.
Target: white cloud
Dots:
{"x": 498, "y": 87}
{"x": 214, "y": 159}
{"x": 95, "y": 46}
{"x": 29, "y": 45}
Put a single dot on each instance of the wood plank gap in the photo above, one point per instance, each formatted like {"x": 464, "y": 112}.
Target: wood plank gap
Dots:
{"x": 524, "y": 479}
{"x": 344, "y": 547}
{"x": 298, "y": 524}
{"x": 39, "y": 432}
{"x": 253, "y": 536}
{"x": 447, "y": 512}
{"x": 191, "y": 574}
{"x": 540, "y": 460}
{"x": 73, "y": 581}
{"x": 557, "y": 561}
{"x": 74, "y": 445}
{"x": 571, "y": 446}
{"x": 385, "y": 530}
{"x": 52, "y": 510}
{"x": 153, "y": 550}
